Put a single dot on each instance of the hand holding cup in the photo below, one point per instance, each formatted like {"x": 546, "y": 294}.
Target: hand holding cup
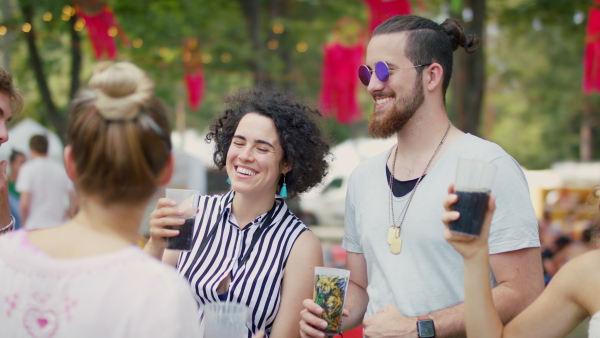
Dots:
{"x": 467, "y": 246}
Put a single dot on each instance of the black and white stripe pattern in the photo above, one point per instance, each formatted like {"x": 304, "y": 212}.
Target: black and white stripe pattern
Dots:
{"x": 257, "y": 283}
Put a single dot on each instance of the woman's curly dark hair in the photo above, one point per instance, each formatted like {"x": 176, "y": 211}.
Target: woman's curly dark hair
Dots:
{"x": 305, "y": 146}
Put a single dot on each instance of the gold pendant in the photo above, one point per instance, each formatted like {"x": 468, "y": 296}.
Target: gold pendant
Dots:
{"x": 396, "y": 245}
{"x": 391, "y": 234}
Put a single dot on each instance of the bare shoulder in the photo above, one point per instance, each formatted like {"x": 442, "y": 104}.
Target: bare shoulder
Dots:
{"x": 587, "y": 263}
{"x": 580, "y": 278}
{"x": 307, "y": 243}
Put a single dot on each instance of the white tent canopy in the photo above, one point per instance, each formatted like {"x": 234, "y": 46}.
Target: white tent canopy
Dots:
{"x": 19, "y": 135}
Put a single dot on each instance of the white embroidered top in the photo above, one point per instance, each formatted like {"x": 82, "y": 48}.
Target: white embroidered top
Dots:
{"x": 120, "y": 294}
{"x": 594, "y": 330}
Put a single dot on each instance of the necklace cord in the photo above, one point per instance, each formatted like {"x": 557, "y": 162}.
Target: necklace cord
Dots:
{"x": 405, "y": 209}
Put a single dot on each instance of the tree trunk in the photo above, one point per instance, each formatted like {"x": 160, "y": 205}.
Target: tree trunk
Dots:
{"x": 251, "y": 11}
{"x": 585, "y": 148}
{"x": 469, "y": 74}
{"x": 57, "y": 120}
{"x": 7, "y": 41}
{"x": 279, "y": 9}
{"x": 75, "y": 57}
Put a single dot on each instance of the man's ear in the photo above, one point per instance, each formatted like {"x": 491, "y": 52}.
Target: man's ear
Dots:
{"x": 434, "y": 76}
{"x": 70, "y": 165}
{"x": 167, "y": 172}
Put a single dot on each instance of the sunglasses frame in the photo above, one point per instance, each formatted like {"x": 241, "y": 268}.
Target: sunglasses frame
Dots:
{"x": 382, "y": 71}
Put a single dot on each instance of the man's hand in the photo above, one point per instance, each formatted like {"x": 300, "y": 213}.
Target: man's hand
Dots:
{"x": 311, "y": 323}
{"x": 389, "y": 322}
{"x": 4, "y": 204}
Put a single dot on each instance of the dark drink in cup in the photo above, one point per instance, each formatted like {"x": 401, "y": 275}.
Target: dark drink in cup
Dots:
{"x": 472, "y": 206}
{"x": 183, "y": 241}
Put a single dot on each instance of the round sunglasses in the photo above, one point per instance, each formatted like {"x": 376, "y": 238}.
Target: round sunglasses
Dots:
{"x": 382, "y": 71}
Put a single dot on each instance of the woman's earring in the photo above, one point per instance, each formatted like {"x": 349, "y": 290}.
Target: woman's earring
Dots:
{"x": 283, "y": 192}
{"x": 228, "y": 180}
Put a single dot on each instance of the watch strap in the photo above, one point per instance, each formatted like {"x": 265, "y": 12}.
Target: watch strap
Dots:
{"x": 422, "y": 317}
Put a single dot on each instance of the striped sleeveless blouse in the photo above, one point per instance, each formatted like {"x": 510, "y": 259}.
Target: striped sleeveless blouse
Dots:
{"x": 257, "y": 282}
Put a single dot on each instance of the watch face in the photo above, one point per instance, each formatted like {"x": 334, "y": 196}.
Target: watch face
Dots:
{"x": 425, "y": 328}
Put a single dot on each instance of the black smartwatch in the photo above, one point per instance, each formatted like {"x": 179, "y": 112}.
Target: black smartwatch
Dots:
{"x": 425, "y": 327}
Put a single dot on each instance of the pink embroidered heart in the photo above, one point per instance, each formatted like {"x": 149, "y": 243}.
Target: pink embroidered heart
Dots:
{"x": 40, "y": 324}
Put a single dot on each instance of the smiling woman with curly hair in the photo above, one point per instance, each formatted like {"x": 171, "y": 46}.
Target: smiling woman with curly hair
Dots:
{"x": 249, "y": 248}
{"x": 304, "y": 147}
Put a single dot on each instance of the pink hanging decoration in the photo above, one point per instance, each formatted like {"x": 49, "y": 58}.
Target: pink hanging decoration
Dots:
{"x": 192, "y": 66}
{"x": 341, "y": 60}
{"x": 98, "y": 26}
{"x": 591, "y": 62}
{"x": 195, "y": 89}
{"x": 382, "y": 10}
{"x": 340, "y": 79}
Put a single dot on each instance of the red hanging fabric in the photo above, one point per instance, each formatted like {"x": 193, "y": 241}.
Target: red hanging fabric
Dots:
{"x": 381, "y": 10}
{"x": 194, "y": 79}
{"x": 98, "y": 26}
{"x": 591, "y": 61}
{"x": 195, "y": 89}
{"x": 341, "y": 59}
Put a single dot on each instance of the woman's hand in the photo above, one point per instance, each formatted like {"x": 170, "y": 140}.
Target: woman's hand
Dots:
{"x": 467, "y": 246}
{"x": 159, "y": 220}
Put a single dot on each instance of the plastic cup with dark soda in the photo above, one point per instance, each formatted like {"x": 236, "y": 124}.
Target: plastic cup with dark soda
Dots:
{"x": 474, "y": 181}
{"x": 187, "y": 200}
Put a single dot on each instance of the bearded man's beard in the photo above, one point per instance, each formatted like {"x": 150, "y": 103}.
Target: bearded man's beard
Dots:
{"x": 400, "y": 113}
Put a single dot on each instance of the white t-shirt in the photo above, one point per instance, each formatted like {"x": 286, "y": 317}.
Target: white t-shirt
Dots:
{"x": 48, "y": 185}
{"x": 594, "y": 329}
{"x": 125, "y": 293}
{"x": 428, "y": 273}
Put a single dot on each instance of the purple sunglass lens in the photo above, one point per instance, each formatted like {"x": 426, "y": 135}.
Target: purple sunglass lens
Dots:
{"x": 382, "y": 71}
{"x": 364, "y": 75}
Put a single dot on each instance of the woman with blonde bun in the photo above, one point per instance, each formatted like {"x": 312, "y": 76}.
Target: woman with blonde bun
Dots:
{"x": 87, "y": 277}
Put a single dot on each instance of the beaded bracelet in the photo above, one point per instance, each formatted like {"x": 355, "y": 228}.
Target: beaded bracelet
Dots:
{"x": 9, "y": 227}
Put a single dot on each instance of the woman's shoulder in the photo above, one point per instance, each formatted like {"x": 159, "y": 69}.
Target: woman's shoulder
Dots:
{"x": 581, "y": 272}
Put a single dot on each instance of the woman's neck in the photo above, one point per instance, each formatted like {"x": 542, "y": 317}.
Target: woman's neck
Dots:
{"x": 247, "y": 208}
{"x": 96, "y": 229}
{"x": 116, "y": 221}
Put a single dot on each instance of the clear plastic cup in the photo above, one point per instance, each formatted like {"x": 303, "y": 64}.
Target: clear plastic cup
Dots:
{"x": 187, "y": 200}
{"x": 225, "y": 320}
{"x": 474, "y": 181}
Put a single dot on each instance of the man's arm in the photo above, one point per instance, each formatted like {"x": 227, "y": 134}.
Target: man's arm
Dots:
{"x": 25, "y": 204}
{"x": 520, "y": 281}
{"x": 355, "y": 303}
{"x": 356, "y": 297}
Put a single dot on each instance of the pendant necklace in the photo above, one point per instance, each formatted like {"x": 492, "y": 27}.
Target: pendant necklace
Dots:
{"x": 393, "y": 237}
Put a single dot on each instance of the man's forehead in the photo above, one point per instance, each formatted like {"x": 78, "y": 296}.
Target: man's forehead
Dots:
{"x": 386, "y": 46}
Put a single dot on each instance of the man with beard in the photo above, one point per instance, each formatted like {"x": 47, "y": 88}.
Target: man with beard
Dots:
{"x": 10, "y": 101}
{"x": 405, "y": 281}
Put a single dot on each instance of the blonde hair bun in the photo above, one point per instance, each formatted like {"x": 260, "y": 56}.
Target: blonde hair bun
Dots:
{"x": 121, "y": 88}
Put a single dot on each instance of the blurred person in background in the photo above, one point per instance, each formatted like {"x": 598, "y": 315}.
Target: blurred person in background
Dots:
{"x": 45, "y": 188}
{"x": 87, "y": 277}
{"x": 15, "y": 161}
{"x": 570, "y": 297}
{"x": 249, "y": 247}
{"x": 11, "y": 102}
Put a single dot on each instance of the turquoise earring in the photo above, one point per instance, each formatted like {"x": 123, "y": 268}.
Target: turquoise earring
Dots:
{"x": 228, "y": 180}
{"x": 283, "y": 192}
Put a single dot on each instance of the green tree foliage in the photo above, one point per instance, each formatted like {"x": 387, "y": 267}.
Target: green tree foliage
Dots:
{"x": 535, "y": 102}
